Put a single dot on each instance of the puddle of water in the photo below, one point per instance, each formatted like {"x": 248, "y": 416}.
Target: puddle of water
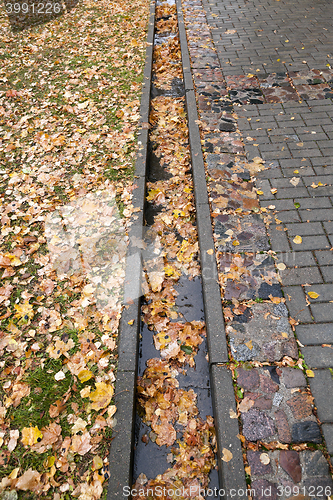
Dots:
{"x": 155, "y": 170}
{"x": 177, "y": 89}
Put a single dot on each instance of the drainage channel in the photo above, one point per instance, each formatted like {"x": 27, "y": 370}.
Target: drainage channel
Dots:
{"x": 174, "y": 439}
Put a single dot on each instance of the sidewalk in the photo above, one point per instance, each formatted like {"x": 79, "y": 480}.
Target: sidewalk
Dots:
{"x": 264, "y": 88}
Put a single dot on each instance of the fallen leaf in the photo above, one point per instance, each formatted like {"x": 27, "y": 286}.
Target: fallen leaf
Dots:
{"x": 298, "y": 240}
{"x": 14, "y": 435}
{"x": 310, "y": 373}
{"x": 281, "y": 266}
{"x": 245, "y": 405}
{"x": 232, "y": 413}
{"x": 31, "y": 435}
{"x": 102, "y": 396}
{"x": 294, "y": 181}
{"x": 85, "y": 375}
{"x": 249, "y": 344}
{"x": 30, "y": 480}
{"x": 264, "y": 458}
{"x": 313, "y": 295}
{"x": 227, "y": 455}
{"x": 81, "y": 444}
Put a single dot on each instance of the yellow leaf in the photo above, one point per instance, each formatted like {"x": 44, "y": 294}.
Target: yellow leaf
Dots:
{"x": 161, "y": 340}
{"x": 131, "y": 322}
{"x": 284, "y": 334}
{"x": 210, "y": 251}
{"x": 310, "y": 373}
{"x": 31, "y": 435}
{"x": 248, "y": 470}
{"x": 273, "y": 190}
{"x": 177, "y": 213}
{"x": 235, "y": 243}
{"x": 102, "y": 396}
{"x": 24, "y": 310}
{"x": 281, "y": 266}
{"x": 260, "y": 192}
{"x": 49, "y": 462}
{"x": 249, "y": 344}
{"x": 134, "y": 42}
{"x": 152, "y": 193}
{"x": 170, "y": 271}
{"x": 97, "y": 463}
{"x": 14, "y": 260}
{"x": 298, "y": 240}
{"x": 313, "y": 295}
{"x": 13, "y": 474}
{"x": 85, "y": 375}
{"x": 275, "y": 300}
{"x": 227, "y": 455}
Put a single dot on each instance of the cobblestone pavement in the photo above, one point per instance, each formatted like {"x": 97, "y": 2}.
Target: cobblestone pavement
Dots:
{"x": 264, "y": 94}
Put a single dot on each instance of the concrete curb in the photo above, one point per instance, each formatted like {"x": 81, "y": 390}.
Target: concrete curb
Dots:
{"x": 217, "y": 345}
{"x": 122, "y": 445}
{"x": 231, "y": 474}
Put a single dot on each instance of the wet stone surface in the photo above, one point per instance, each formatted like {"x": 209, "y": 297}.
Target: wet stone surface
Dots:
{"x": 246, "y": 233}
{"x": 289, "y": 474}
{"x": 306, "y": 431}
{"x": 257, "y": 425}
{"x": 228, "y": 191}
{"x": 223, "y": 121}
{"x": 241, "y": 82}
{"x": 308, "y": 92}
{"x": 280, "y": 94}
{"x": 272, "y": 405}
{"x": 207, "y": 75}
{"x": 227, "y": 162}
{"x": 249, "y": 276}
{"x": 273, "y": 80}
{"x": 223, "y": 142}
{"x": 261, "y": 335}
{"x": 248, "y": 96}
{"x": 205, "y": 62}
{"x": 307, "y": 77}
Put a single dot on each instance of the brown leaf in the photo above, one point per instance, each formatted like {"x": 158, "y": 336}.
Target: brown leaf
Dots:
{"x": 30, "y": 480}
{"x": 227, "y": 455}
{"x": 81, "y": 444}
{"x": 57, "y": 408}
